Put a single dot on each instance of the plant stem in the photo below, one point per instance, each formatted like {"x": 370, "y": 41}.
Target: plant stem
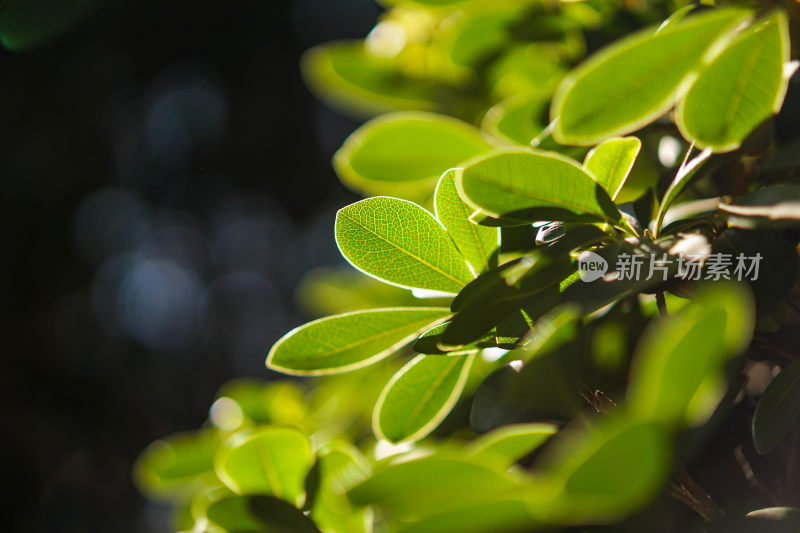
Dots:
{"x": 661, "y": 302}
{"x": 685, "y": 173}
{"x": 750, "y": 476}
{"x": 544, "y": 134}
{"x": 689, "y": 492}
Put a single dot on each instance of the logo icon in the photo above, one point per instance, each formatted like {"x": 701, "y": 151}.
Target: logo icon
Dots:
{"x": 591, "y": 266}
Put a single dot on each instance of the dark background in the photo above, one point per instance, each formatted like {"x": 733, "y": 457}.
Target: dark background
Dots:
{"x": 166, "y": 182}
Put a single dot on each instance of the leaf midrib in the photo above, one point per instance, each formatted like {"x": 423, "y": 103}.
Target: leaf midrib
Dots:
{"x": 403, "y": 250}
{"x": 504, "y": 188}
{"x": 467, "y": 212}
{"x": 384, "y": 332}
{"x": 615, "y": 166}
{"x": 276, "y": 485}
{"x": 621, "y": 96}
{"x": 743, "y": 82}
{"x": 431, "y": 391}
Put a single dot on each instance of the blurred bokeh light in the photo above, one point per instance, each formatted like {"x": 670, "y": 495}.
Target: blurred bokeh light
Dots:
{"x": 168, "y": 183}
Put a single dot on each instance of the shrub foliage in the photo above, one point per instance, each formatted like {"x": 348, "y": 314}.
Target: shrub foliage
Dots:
{"x": 573, "y": 266}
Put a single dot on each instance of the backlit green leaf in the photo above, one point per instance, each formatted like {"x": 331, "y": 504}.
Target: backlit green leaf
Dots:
{"x": 420, "y": 396}
{"x": 471, "y": 36}
{"x": 508, "y": 444}
{"x": 604, "y": 472}
{"x": 171, "y": 465}
{"x": 423, "y": 2}
{"x": 334, "y": 290}
{"x": 477, "y": 243}
{"x": 547, "y": 388}
{"x": 532, "y": 68}
{"x": 259, "y": 514}
{"x": 530, "y": 185}
{"x": 684, "y": 175}
{"x": 433, "y": 485}
{"x": 741, "y": 88}
{"x": 516, "y": 120}
{"x": 400, "y": 243}
{"x": 403, "y": 154}
{"x": 677, "y": 375}
{"x": 272, "y": 460}
{"x": 274, "y": 402}
{"x": 777, "y": 409}
{"x": 504, "y": 516}
{"x": 341, "y": 466}
{"x": 346, "y": 76}
{"x": 612, "y": 161}
{"x": 350, "y": 341}
{"x": 634, "y": 81}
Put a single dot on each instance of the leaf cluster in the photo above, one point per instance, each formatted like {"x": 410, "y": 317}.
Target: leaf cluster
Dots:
{"x": 474, "y": 379}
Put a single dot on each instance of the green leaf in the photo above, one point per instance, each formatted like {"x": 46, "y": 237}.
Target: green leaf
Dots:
{"x": 172, "y": 465}
{"x": 742, "y": 87}
{"x": 777, "y": 266}
{"x": 678, "y": 371}
{"x": 547, "y": 388}
{"x": 350, "y": 341}
{"x": 533, "y": 186}
{"x": 505, "y": 516}
{"x": 470, "y": 37}
{"x": 400, "y": 243}
{"x": 604, "y": 472}
{"x": 517, "y": 119}
{"x": 632, "y": 82}
{"x": 775, "y": 204}
{"x": 677, "y": 16}
{"x": 510, "y": 331}
{"x": 422, "y": 2}
{"x": 346, "y": 76}
{"x": 334, "y": 290}
{"x": 517, "y": 272}
{"x": 403, "y": 154}
{"x": 420, "y": 396}
{"x": 197, "y": 508}
{"x": 611, "y": 162}
{"x": 531, "y": 68}
{"x": 430, "y": 342}
{"x": 340, "y": 467}
{"x": 478, "y": 244}
{"x": 259, "y": 514}
{"x": 479, "y": 316}
{"x": 508, "y": 444}
{"x": 529, "y": 283}
{"x": 274, "y": 402}
{"x": 433, "y": 485}
{"x": 601, "y": 292}
{"x": 777, "y": 409}
{"x": 272, "y": 460}
{"x": 684, "y": 175}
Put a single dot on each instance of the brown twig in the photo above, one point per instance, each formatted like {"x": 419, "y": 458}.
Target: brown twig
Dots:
{"x": 661, "y": 302}
{"x": 750, "y": 476}
{"x": 765, "y": 343}
{"x": 690, "y": 493}
{"x": 792, "y": 481}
